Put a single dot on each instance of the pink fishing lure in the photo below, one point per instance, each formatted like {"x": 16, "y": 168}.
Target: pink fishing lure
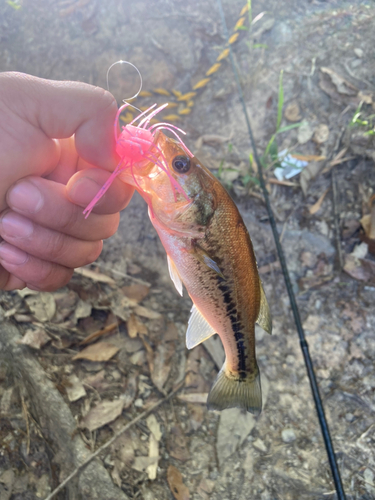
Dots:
{"x": 135, "y": 145}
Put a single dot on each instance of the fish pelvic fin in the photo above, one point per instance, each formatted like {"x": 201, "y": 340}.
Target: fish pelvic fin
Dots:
{"x": 174, "y": 274}
{"x": 264, "y": 318}
{"x": 229, "y": 391}
{"x": 198, "y": 330}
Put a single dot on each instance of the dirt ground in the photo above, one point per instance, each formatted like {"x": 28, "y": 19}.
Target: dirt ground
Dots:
{"x": 63, "y": 395}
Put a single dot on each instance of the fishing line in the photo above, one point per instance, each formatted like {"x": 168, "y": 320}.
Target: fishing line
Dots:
{"x": 303, "y": 343}
{"x": 140, "y": 84}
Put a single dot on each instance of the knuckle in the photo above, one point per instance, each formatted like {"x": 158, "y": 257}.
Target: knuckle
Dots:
{"x": 69, "y": 220}
{"x": 56, "y": 247}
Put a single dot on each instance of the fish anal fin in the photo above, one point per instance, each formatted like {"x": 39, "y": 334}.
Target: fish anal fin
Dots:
{"x": 174, "y": 274}
{"x": 203, "y": 257}
{"x": 230, "y": 392}
{"x": 264, "y": 319}
{"x": 198, "y": 329}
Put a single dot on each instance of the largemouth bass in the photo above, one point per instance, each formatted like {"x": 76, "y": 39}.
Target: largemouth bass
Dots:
{"x": 209, "y": 251}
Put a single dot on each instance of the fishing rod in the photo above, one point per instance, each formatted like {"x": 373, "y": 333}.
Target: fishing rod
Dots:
{"x": 297, "y": 318}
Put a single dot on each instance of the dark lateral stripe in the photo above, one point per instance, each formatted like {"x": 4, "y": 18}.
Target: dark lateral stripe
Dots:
{"x": 232, "y": 313}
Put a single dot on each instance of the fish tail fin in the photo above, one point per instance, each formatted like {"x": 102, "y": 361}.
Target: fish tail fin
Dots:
{"x": 229, "y": 392}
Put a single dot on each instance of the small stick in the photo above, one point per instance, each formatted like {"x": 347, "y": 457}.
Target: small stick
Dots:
{"x": 112, "y": 440}
{"x": 336, "y": 218}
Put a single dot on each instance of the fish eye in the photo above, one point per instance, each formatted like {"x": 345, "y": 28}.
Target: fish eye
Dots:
{"x": 181, "y": 164}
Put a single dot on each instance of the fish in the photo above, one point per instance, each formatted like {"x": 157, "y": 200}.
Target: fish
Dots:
{"x": 209, "y": 251}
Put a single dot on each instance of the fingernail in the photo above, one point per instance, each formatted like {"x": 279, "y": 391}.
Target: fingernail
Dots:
{"x": 83, "y": 191}
{"x": 16, "y": 226}
{"x": 12, "y": 255}
{"x": 25, "y": 197}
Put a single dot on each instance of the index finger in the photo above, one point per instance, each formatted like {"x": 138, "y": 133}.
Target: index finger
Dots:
{"x": 34, "y": 112}
{"x": 59, "y": 109}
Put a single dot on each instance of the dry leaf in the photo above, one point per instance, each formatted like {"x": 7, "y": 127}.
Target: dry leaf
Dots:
{"x": 366, "y": 223}
{"x": 178, "y": 488}
{"x": 25, "y": 292}
{"x": 196, "y": 414}
{"x": 121, "y": 305}
{"x": 102, "y": 351}
{"x": 136, "y": 292}
{"x": 317, "y": 205}
{"x": 92, "y": 275}
{"x": 177, "y": 444}
{"x": 162, "y": 364}
{"x": 135, "y": 327}
{"x": 350, "y": 227}
{"x": 7, "y": 481}
{"x": 131, "y": 390}
{"x": 360, "y": 269}
{"x": 195, "y": 397}
{"x": 147, "y": 313}
{"x": 140, "y": 464}
{"x": 99, "y": 333}
{"x": 309, "y": 173}
{"x": 35, "y": 338}
{"x": 321, "y": 133}
{"x": 42, "y": 306}
{"x": 83, "y": 310}
{"x": 74, "y": 388}
{"x": 342, "y": 85}
{"x": 308, "y": 157}
{"x": 366, "y": 98}
{"x": 103, "y": 413}
{"x": 292, "y": 112}
{"x": 305, "y": 133}
{"x": 171, "y": 332}
{"x": 205, "y": 487}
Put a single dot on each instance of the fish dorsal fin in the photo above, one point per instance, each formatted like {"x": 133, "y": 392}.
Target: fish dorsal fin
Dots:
{"x": 175, "y": 277}
{"x": 264, "y": 317}
{"x": 207, "y": 260}
{"x": 198, "y": 329}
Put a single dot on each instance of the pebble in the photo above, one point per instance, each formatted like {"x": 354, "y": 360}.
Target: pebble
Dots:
{"x": 138, "y": 403}
{"x": 358, "y": 52}
{"x": 259, "y": 445}
{"x": 288, "y": 435}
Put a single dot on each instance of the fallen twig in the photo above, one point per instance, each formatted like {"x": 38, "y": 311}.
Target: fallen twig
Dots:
{"x": 112, "y": 440}
{"x": 336, "y": 219}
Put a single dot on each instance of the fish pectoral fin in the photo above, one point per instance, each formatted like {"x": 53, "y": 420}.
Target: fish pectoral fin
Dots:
{"x": 198, "y": 329}
{"x": 229, "y": 392}
{"x": 207, "y": 260}
{"x": 174, "y": 274}
{"x": 264, "y": 319}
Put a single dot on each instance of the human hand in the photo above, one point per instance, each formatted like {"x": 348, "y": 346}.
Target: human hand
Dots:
{"x": 47, "y": 176}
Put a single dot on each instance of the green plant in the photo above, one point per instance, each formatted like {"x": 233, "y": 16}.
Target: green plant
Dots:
{"x": 368, "y": 122}
{"x": 270, "y": 155}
